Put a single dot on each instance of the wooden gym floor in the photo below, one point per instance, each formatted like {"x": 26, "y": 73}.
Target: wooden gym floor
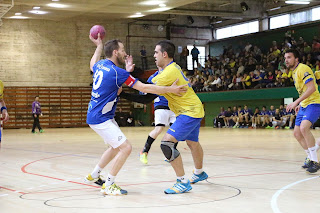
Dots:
{"x": 250, "y": 171}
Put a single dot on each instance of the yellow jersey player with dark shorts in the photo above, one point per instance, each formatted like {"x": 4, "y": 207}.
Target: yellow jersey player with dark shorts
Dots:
{"x": 307, "y": 108}
{"x": 4, "y": 112}
{"x": 189, "y": 111}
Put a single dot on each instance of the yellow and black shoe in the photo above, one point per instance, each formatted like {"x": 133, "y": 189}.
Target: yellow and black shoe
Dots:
{"x": 112, "y": 190}
{"x": 98, "y": 181}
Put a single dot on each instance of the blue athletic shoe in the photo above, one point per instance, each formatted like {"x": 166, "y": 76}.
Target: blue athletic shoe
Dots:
{"x": 179, "y": 188}
{"x": 196, "y": 178}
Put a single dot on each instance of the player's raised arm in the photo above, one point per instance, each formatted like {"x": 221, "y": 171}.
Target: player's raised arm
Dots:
{"x": 97, "y": 53}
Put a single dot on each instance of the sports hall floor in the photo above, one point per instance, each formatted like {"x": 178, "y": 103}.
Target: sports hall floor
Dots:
{"x": 250, "y": 171}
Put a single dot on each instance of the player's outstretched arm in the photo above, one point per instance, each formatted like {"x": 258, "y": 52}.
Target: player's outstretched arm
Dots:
{"x": 97, "y": 53}
{"x": 143, "y": 99}
{"x": 154, "y": 89}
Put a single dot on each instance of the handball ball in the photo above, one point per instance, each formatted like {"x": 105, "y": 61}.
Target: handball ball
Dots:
{"x": 97, "y": 29}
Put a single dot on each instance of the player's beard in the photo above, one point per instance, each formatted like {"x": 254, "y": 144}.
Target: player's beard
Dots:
{"x": 120, "y": 60}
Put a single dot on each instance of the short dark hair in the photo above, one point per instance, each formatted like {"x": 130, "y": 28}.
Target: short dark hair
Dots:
{"x": 37, "y": 96}
{"x": 295, "y": 53}
{"x": 167, "y": 46}
{"x": 111, "y": 45}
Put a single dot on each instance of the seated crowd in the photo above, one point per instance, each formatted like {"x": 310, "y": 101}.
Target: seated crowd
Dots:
{"x": 250, "y": 68}
{"x": 264, "y": 118}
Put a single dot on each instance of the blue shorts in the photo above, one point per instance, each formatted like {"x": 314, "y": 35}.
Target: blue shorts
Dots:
{"x": 310, "y": 113}
{"x": 185, "y": 128}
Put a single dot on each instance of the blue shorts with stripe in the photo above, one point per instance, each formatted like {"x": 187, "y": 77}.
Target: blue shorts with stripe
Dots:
{"x": 310, "y": 113}
{"x": 185, "y": 128}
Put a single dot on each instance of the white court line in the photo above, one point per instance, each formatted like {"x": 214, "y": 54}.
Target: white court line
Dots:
{"x": 3, "y": 195}
{"x": 274, "y": 198}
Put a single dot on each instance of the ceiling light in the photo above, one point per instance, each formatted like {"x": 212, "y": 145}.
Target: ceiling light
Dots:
{"x": 55, "y": 0}
{"x": 160, "y": 9}
{"x": 39, "y": 12}
{"x": 276, "y": 8}
{"x": 150, "y": 3}
{"x": 162, "y": 5}
{"x": 18, "y": 17}
{"x": 297, "y": 2}
{"x": 17, "y": 14}
{"x": 57, "y": 5}
{"x": 218, "y": 22}
{"x": 138, "y": 13}
{"x": 36, "y": 8}
{"x": 136, "y": 16}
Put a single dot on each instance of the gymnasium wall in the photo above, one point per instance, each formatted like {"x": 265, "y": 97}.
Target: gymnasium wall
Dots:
{"x": 264, "y": 39}
{"x": 57, "y": 53}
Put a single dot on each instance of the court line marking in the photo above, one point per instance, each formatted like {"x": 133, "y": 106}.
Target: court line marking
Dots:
{"x": 274, "y": 204}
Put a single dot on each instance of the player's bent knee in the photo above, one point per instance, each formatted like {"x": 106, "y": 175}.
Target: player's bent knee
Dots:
{"x": 169, "y": 150}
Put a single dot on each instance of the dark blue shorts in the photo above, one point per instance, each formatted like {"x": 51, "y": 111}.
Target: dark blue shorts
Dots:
{"x": 185, "y": 128}
{"x": 310, "y": 113}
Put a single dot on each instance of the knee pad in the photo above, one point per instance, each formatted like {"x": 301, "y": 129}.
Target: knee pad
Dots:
{"x": 169, "y": 150}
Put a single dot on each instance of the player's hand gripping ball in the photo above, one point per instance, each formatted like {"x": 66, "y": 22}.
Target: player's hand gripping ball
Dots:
{"x": 96, "y": 29}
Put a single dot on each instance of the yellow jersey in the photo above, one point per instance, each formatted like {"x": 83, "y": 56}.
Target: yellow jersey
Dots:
{"x": 317, "y": 74}
{"x": 1, "y": 89}
{"x": 189, "y": 103}
{"x": 302, "y": 75}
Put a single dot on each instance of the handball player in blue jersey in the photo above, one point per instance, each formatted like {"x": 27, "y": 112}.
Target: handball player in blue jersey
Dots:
{"x": 4, "y": 112}
{"x": 108, "y": 78}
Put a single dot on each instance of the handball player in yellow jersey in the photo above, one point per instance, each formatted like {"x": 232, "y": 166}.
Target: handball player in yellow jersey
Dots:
{"x": 189, "y": 111}
{"x": 307, "y": 107}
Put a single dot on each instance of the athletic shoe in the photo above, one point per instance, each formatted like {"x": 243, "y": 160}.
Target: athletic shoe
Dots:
{"x": 98, "y": 181}
{"x": 307, "y": 163}
{"x": 144, "y": 158}
{"x": 277, "y": 127}
{"x": 179, "y": 188}
{"x": 269, "y": 127}
{"x": 41, "y": 131}
{"x": 287, "y": 127}
{"x": 112, "y": 190}
{"x": 314, "y": 167}
{"x": 34, "y": 132}
{"x": 196, "y": 178}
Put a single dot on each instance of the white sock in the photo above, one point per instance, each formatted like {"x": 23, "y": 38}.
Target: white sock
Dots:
{"x": 96, "y": 172}
{"x": 317, "y": 147}
{"x": 237, "y": 124}
{"x": 197, "y": 171}
{"x": 308, "y": 153}
{"x": 313, "y": 154}
{"x": 183, "y": 179}
{"x": 290, "y": 124}
{"x": 110, "y": 180}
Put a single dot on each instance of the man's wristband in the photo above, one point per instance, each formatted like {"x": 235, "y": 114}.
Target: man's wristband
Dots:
{"x": 3, "y": 108}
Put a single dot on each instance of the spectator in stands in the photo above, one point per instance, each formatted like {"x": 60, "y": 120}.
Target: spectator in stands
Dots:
{"x": 259, "y": 80}
{"x": 270, "y": 80}
{"x": 36, "y": 113}
{"x": 144, "y": 60}
{"x": 216, "y": 84}
{"x": 238, "y": 82}
{"x": 246, "y": 81}
{"x": 195, "y": 54}
{"x": 183, "y": 57}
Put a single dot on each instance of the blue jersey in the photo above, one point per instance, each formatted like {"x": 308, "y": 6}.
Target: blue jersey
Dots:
{"x": 264, "y": 113}
{"x": 283, "y": 112}
{"x": 249, "y": 111}
{"x": 107, "y": 79}
{"x": 272, "y": 112}
{"x": 160, "y": 100}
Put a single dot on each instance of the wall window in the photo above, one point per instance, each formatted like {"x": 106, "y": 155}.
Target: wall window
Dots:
{"x": 280, "y": 21}
{"x": 315, "y": 13}
{"x": 239, "y": 29}
{"x": 300, "y": 17}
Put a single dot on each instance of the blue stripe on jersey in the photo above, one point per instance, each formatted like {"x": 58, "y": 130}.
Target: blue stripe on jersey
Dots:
{"x": 107, "y": 79}
{"x": 160, "y": 100}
